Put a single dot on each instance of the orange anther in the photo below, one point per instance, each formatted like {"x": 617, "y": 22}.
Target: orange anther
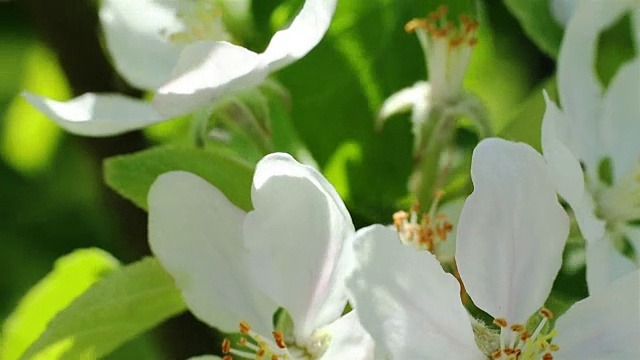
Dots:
{"x": 226, "y": 346}
{"x": 547, "y": 356}
{"x": 502, "y": 322}
{"x": 227, "y": 357}
{"x": 517, "y": 328}
{"x": 278, "y": 336}
{"x": 546, "y": 313}
{"x": 245, "y": 327}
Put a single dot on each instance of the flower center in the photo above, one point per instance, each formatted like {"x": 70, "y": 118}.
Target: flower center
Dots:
{"x": 202, "y": 20}
{"x": 620, "y": 202}
{"x": 253, "y": 346}
{"x": 447, "y": 47}
{"x": 516, "y": 343}
{"x": 423, "y": 232}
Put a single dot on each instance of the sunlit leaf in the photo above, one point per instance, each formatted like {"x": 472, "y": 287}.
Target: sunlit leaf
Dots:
{"x": 71, "y": 276}
{"x": 526, "y": 122}
{"x": 132, "y": 175}
{"x": 115, "y": 310}
{"x": 29, "y": 138}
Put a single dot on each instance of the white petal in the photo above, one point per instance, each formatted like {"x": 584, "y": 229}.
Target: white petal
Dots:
{"x": 446, "y": 250}
{"x": 205, "y": 71}
{"x": 196, "y": 233}
{"x": 635, "y": 16}
{"x": 299, "y": 241}
{"x": 562, "y": 10}
{"x": 304, "y": 33}
{"x": 137, "y": 37}
{"x": 605, "y": 325}
{"x": 349, "y": 340}
{"x": 403, "y": 101}
{"x": 408, "y": 304}
{"x": 566, "y": 172}
{"x": 605, "y": 264}
{"x": 621, "y": 119}
{"x": 578, "y": 85}
{"x": 97, "y": 115}
{"x": 511, "y": 232}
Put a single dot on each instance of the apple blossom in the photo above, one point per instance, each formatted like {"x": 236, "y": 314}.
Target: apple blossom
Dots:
{"x": 235, "y": 269}
{"x": 591, "y": 145}
{"x": 510, "y": 239}
{"x": 179, "y": 50}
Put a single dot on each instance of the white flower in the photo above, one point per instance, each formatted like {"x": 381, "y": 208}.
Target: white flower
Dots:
{"x": 447, "y": 49}
{"x": 510, "y": 239}
{"x": 563, "y": 10}
{"x": 178, "y": 49}
{"x": 235, "y": 269}
{"x": 597, "y": 133}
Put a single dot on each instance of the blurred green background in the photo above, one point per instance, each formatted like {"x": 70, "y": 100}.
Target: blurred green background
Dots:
{"x": 53, "y": 199}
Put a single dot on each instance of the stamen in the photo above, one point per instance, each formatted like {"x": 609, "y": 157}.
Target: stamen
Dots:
{"x": 256, "y": 347}
{"x": 447, "y": 46}
{"x": 501, "y": 322}
{"x": 202, "y": 20}
{"x": 432, "y": 226}
{"x": 546, "y": 313}
{"x": 518, "y": 344}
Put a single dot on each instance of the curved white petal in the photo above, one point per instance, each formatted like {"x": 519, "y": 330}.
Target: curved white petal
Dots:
{"x": 403, "y": 101}
{"x": 635, "y": 17}
{"x": 304, "y": 33}
{"x": 196, "y": 233}
{"x": 578, "y": 86}
{"x": 446, "y": 250}
{"x": 205, "y": 71}
{"x": 299, "y": 241}
{"x": 349, "y": 340}
{"x": 621, "y": 119}
{"x": 137, "y": 37}
{"x": 566, "y": 172}
{"x": 511, "y": 232}
{"x": 562, "y": 10}
{"x": 605, "y": 264}
{"x": 606, "y": 325}
{"x": 97, "y": 115}
{"x": 408, "y": 304}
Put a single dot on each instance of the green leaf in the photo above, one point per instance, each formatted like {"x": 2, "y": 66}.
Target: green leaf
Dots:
{"x": 71, "y": 276}
{"x": 537, "y": 21}
{"x": 526, "y": 124}
{"x": 132, "y": 175}
{"x": 113, "y": 311}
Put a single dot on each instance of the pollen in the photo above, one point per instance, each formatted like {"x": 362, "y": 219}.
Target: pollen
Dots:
{"x": 516, "y": 343}
{"x": 501, "y": 322}
{"x": 425, "y": 230}
{"x": 447, "y": 45}
{"x": 253, "y": 346}
{"x": 437, "y": 25}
